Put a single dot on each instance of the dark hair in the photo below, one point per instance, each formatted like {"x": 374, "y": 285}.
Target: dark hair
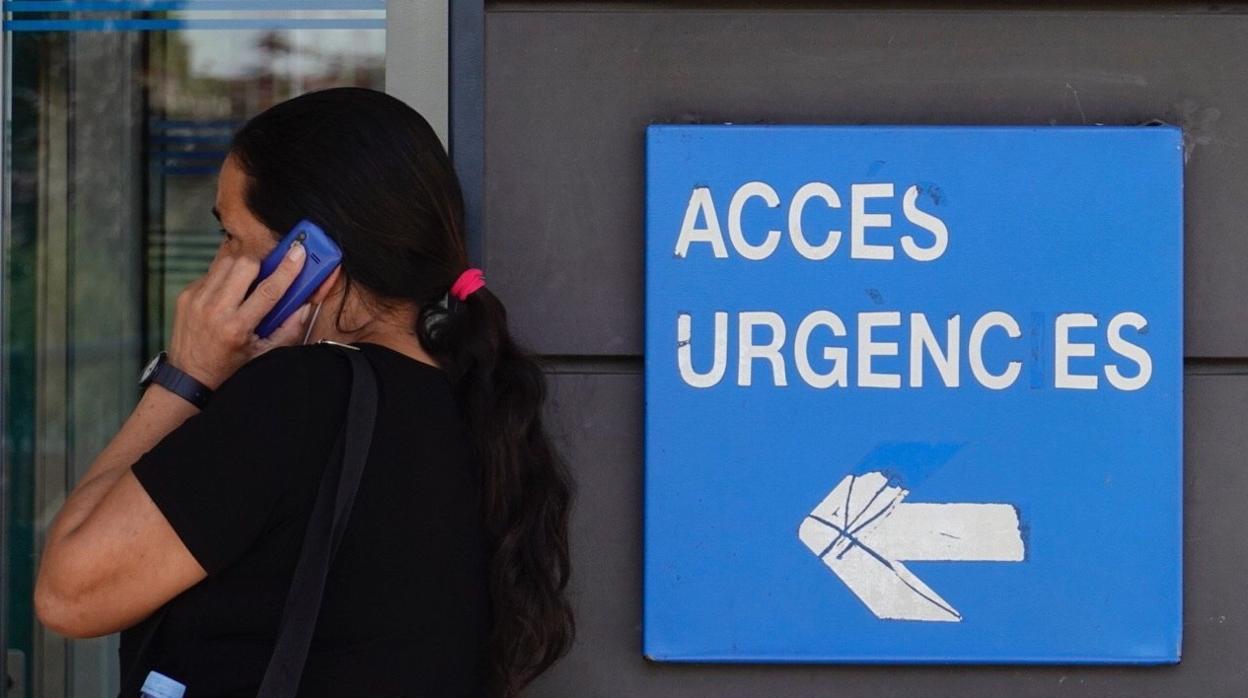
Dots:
{"x": 372, "y": 172}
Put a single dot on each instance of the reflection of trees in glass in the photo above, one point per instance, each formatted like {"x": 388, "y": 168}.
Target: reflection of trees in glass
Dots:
{"x": 274, "y": 65}
{"x": 173, "y": 91}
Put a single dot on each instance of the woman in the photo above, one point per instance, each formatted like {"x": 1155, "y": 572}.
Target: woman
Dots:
{"x": 450, "y": 577}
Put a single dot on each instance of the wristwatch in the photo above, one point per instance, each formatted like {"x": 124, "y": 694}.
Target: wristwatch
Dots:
{"x": 176, "y": 381}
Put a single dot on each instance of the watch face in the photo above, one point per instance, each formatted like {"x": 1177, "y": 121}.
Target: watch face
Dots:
{"x": 151, "y": 367}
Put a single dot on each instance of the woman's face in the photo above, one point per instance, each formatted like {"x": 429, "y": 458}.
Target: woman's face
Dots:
{"x": 243, "y": 235}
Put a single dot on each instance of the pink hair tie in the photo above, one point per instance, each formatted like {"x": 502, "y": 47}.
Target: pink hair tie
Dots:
{"x": 467, "y": 283}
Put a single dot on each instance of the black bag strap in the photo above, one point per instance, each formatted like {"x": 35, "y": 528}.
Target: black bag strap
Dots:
{"x": 328, "y": 521}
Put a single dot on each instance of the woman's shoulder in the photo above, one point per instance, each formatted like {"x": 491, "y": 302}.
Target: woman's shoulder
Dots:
{"x": 304, "y": 378}
{"x": 296, "y": 355}
{"x": 283, "y": 374}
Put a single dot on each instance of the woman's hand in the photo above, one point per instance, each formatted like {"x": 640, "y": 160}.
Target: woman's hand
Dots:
{"x": 111, "y": 557}
{"x": 215, "y": 321}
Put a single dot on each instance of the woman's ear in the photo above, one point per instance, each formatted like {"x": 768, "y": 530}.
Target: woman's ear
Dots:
{"x": 323, "y": 291}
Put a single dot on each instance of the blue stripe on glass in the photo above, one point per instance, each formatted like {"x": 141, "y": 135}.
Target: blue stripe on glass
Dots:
{"x": 190, "y": 170}
{"x": 187, "y": 5}
{"x": 192, "y": 125}
{"x": 81, "y": 25}
{"x": 214, "y": 137}
{"x": 188, "y": 155}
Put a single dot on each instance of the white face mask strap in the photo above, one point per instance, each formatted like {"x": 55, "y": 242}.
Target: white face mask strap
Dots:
{"x": 312, "y": 323}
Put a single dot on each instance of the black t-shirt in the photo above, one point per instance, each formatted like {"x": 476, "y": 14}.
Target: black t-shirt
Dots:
{"x": 406, "y": 606}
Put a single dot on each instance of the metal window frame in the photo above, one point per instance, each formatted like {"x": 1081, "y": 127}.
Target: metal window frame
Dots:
{"x": 467, "y": 115}
{"x": 434, "y": 62}
{"x": 4, "y": 361}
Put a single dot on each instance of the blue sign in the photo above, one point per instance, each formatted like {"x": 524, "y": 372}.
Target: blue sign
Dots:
{"x": 913, "y": 394}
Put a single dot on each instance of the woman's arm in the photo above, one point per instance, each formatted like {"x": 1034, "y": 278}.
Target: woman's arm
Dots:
{"x": 111, "y": 557}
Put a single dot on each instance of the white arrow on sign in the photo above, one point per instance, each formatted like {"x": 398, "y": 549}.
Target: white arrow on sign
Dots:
{"x": 862, "y": 531}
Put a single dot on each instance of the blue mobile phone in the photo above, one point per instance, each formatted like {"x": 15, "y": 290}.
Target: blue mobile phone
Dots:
{"x": 323, "y": 257}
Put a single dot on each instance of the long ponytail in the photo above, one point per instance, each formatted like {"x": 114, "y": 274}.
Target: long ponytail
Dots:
{"x": 527, "y": 488}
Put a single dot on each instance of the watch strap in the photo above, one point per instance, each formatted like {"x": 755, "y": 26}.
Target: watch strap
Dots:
{"x": 181, "y": 384}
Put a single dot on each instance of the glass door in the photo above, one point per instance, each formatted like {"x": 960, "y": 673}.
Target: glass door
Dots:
{"x": 118, "y": 115}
